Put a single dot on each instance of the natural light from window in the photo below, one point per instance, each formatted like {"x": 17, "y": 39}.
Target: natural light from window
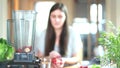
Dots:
{"x": 82, "y": 23}
{"x": 42, "y": 8}
{"x": 93, "y": 13}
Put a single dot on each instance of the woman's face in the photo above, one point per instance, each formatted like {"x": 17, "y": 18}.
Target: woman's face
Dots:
{"x": 57, "y": 18}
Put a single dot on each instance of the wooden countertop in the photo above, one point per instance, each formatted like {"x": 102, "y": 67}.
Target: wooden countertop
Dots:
{"x": 73, "y": 66}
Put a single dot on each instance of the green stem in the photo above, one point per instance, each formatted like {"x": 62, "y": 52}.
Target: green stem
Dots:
{"x": 118, "y": 65}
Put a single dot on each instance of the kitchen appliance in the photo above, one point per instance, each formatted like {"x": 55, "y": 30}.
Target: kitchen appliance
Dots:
{"x": 21, "y": 34}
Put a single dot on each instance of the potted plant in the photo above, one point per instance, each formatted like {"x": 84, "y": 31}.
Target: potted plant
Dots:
{"x": 111, "y": 42}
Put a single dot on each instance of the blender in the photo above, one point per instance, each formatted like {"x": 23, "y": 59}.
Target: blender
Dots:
{"x": 21, "y": 34}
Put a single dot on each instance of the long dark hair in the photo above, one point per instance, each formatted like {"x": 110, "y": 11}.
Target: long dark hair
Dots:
{"x": 51, "y": 36}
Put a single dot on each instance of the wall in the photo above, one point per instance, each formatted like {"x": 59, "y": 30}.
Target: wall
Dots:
{"x": 24, "y": 5}
{"x": 3, "y": 18}
{"x": 70, "y": 5}
{"x": 113, "y": 11}
{"x": 6, "y": 7}
{"x": 81, "y": 10}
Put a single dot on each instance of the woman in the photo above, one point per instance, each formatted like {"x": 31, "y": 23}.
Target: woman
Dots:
{"x": 60, "y": 38}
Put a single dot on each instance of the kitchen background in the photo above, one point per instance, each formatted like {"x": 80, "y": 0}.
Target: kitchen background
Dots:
{"x": 89, "y": 16}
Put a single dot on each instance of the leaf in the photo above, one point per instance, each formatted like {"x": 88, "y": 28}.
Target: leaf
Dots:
{"x": 10, "y": 53}
{"x": 111, "y": 41}
{"x": 6, "y": 51}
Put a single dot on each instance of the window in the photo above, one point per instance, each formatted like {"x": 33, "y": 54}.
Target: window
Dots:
{"x": 93, "y": 12}
{"x": 42, "y": 8}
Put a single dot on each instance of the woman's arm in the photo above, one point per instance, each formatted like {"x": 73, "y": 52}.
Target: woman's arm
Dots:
{"x": 65, "y": 61}
{"x": 75, "y": 48}
{"x": 77, "y": 58}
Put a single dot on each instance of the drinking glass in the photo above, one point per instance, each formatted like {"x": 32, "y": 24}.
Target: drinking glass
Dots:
{"x": 45, "y": 62}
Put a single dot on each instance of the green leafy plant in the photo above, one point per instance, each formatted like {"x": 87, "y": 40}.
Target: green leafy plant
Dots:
{"x": 95, "y": 66}
{"x": 111, "y": 42}
{"x": 6, "y": 51}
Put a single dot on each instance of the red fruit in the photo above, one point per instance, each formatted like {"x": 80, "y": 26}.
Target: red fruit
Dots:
{"x": 83, "y": 66}
{"x": 54, "y": 60}
{"x": 27, "y": 48}
{"x": 57, "y": 60}
{"x": 60, "y": 63}
{"x": 19, "y": 50}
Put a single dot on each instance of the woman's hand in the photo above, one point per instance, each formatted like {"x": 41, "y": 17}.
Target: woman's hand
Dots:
{"x": 56, "y": 60}
{"x": 38, "y": 54}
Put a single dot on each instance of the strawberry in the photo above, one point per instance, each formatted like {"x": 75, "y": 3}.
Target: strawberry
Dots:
{"x": 54, "y": 60}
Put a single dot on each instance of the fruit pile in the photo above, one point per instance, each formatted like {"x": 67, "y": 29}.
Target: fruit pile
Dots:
{"x": 24, "y": 49}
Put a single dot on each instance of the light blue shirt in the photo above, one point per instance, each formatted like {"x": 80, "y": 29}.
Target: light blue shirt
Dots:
{"x": 74, "y": 43}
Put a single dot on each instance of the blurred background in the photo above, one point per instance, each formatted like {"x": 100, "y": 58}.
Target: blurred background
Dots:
{"x": 88, "y": 17}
